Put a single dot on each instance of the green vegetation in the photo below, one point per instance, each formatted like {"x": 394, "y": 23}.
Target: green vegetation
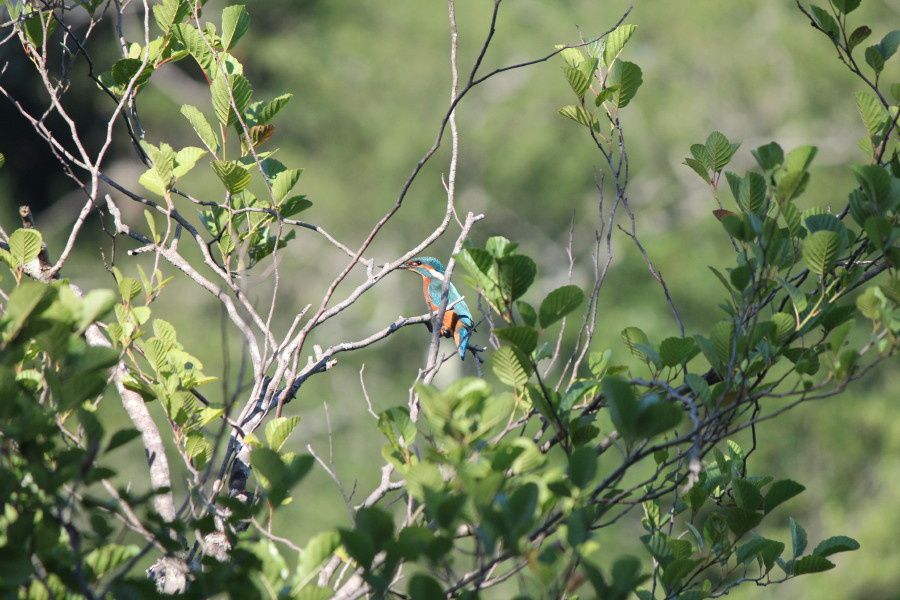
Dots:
{"x": 641, "y": 426}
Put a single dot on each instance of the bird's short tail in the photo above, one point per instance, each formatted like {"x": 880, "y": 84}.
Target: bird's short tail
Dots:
{"x": 461, "y": 337}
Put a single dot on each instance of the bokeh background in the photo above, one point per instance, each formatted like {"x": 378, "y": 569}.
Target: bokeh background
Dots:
{"x": 370, "y": 83}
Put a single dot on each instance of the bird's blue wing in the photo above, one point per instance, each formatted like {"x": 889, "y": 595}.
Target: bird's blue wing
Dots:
{"x": 460, "y": 308}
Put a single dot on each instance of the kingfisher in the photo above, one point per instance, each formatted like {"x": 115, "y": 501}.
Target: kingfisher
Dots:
{"x": 458, "y": 322}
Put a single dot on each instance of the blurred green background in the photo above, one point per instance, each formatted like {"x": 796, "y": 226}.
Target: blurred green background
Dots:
{"x": 370, "y": 83}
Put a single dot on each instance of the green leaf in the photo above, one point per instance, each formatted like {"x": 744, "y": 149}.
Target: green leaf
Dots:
{"x": 260, "y": 113}
{"x": 873, "y": 115}
{"x": 858, "y": 36}
{"x": 675, "y": 350}
{"x": 198, "y": 449}
{"x": 235, "y": 23}
{"x": 784, "y": 326}
{"x": 170, "y": 12}
{"x": 129, "y": 288}
{"x": 186, "y": 159}
{"x": 197, "y": 46}
{"x": 106, "y": 558}
{"x": 800, "y": 158}
{"x": 833, "y": 545}
{"x": 634, "y": 337}
{"x": 698, "y": 167}
{"x": 511, "y": 366}
{"x": 874, "y": 58}
{"x": 769, "y": 156}
{"x": 825, "y": 22}
{"x": 615, "y": 41}
{"x": 845, "y": 6}
{"x": 201, "y": 126}
{"x": 740, "y": 520}
{"x": 424, "y": 587}
{"x": 798, "y": 538}
{"x": 278, "y": 430}
{"x": 811, "y": 564}
{"x": 582, "y": 466}
{"x": 95, "y": 304}
{"x": 719, "y": 150}
{"x": 752, "y": 193}
{"x": 889, "y": 43}
{"x": 820, "y": 249}
{"x": 578, "y": 81}
{"x": 515, "y": 274}
{"x": 122, "y": 437}
{"x": 317, "y": 551}
{"x": 579, "y": 115}
{"x": 527, "y": 312}
{"x": 623, "y": 406}
{"x": 559, "y": 303}
{"x": 235, "y": 177}
{"x": 126, "y": 69}
{"x": 284, "y": 182}
{"x": 521, "y": 336}
{"x": 628, "y": 77}
{"x": 25, "y": 245}
{"x": 746, "y": 495}
{"x": 223, "y": 89}
{"x": 397, "y": 426}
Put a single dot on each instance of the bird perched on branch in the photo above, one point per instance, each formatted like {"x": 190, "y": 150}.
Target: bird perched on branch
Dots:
{"x": 458, "y": 322}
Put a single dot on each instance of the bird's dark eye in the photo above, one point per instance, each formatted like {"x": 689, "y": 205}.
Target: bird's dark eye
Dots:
{"x": 416, "y": 263}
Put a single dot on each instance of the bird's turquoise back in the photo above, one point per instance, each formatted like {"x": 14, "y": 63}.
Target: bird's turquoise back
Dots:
{"x": 460, "y": 308}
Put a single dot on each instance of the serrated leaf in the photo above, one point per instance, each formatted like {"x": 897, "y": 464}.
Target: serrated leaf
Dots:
{"x": 871, "y": 111}
{"x": 126, "y": 69}
{"x": 185, "y": 159}
{"x": 25, "y": 245}
{"x": 674, "y": 351}
{"x": 511, "y": 366}
{"x": 798, "y": 537}
{"x": 559, "y": 303}
{"x": 719, "y": 150}
{"x": 578, "y": 81}
{"x": 515, "y": 275}
{"x": 628, "y": 77}
{"x": 820, "y": 249}
{"x": 260, "y": 113}
{"x": 784, "y": 326}
{"x": 634, "y": 337}
{"x": 235, "y": 23}
{"x": 170, "y": 12}
{"x": 198, "y": 449}
{"x": 523, "y": 337}
{"x": 201, "y": 126}
{"x": 835, "y": 544}
{"x": 284, "y": 182}
{"x": 698, "y": 167}
{"x": 278, "y": 430}
{"x": 223, "y": 88}
{"x": 196, "y": 46}
{"x": 811, "y": 564}
{"x": 616, "y": 41}
{"x": 235, "y": 177}
{"x": 578, "y": 114}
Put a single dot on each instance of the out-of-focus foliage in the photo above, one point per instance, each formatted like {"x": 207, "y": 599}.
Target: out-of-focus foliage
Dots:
{"x": 521, "y": 471}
